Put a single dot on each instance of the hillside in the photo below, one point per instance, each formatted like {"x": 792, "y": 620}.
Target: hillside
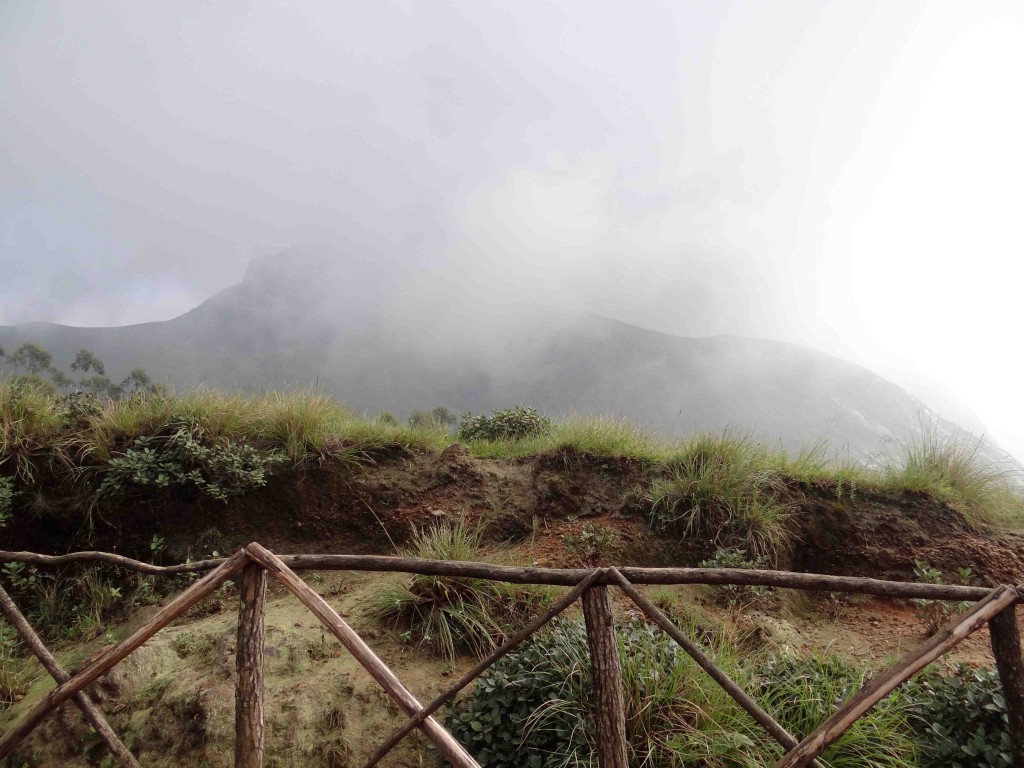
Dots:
{"x": 344, "y": 323}
{"x": 583, "y": 493}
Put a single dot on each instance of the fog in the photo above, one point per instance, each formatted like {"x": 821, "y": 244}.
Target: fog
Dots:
{"x": 840, "y": 175}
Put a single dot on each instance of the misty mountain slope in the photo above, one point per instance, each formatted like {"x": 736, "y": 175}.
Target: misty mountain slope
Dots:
{"x": 353, "y": 328}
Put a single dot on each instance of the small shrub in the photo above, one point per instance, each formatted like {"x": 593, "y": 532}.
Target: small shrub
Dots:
{"x": 736, "y": 595}
{"x": 533, "y": 707}
{"x": 961, "y": 719}
{"x": 506, "y": 424}
{"x": 6, "y": 499}
{"x": 592, "y": 543}
{"x": 221, "y": 470}
{"x": 452, "y": 615}
{"x": 937, "y": 613}
{"x": 436, "y": 418}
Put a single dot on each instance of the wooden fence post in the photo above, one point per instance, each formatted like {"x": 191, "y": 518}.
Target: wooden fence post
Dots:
{"x": 249, "y": 648}
{"x": 92, "y": 713}
{"x": 609, "y": 704}
{"x": 1005, "y": 637}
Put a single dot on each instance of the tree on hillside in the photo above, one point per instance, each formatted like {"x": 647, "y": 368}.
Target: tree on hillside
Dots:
{"x": 32, "y": 363}
{"x": 138, "y": 381}
{"x": 32, "y": 358}
{"x": 86, "y": 361}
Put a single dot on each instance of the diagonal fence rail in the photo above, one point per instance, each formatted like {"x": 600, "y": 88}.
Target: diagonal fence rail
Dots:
{"x": 251, "y": 566}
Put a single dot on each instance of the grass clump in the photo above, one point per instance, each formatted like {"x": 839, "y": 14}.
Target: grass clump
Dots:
{"x": 30, "y": 429}
{"x": 953, "y": 469}
{"x": 802, "y": 692}
{"x": 533, "y": 707}
{"x": 724, "y": 488}
{"x": 452, "y": 615}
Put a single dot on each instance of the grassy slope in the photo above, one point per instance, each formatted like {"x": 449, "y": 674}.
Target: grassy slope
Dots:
{"x": 694, "y": 480}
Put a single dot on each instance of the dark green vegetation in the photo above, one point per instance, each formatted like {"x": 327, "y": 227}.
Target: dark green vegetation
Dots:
{"x": 301, "y": 471}
{"x": 961, "y": 719}
{"x": 455, "y": 615}
{"x": 77, "y": 454}
{"x": 532, "y": 707}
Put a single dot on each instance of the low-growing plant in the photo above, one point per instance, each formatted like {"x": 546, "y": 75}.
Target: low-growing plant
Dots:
{"x": 961, "y": 719}
{"x": 724, "y": 488}
{"x": 533, "y": 708}
{"x": 592, "y": 543}
{"x": 14, "y": 681}
{"x": 220, "y": 470}
{"x": 937, "y": 613}
{"x": 448, "y": 614}
{"x": 802, "y": 692}
{"x": 506, "y": 424}
{"x": 736, "y": 595}
{"x": 6, "y": 500}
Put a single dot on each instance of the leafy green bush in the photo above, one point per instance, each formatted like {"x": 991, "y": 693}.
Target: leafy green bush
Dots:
{"x": 961, "y": 719}
{"x": 937, "y": 613}
{"x": 454, "y": 614}
{"x": 506, "y": 424}
{"x": 533, "y": 707}
{"x": 221, "y": 470}
{"x": 735, "y": 595}
{"x": 802, "y": 692}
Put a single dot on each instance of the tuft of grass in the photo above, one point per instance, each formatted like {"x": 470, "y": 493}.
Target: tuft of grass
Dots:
{"x": 454, "y": 615}
{"x": 803, "y": 692}
{"x": 954, "y": 470}
{"x": 726, "y": 488}
{"x": 30, "y": 429}
{"x": 534, "y": 706}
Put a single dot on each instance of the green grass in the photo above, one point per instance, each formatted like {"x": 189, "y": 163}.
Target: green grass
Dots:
{"x": 954, "y": 471}
{"x": 803, "y": 692}
{"x": 533, "y": 707}
{"x": 727, "y": 487}
{"x": 455, "y": 615}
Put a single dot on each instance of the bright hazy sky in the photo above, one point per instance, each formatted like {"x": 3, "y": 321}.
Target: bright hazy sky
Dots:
{"x": 846, "y": 175}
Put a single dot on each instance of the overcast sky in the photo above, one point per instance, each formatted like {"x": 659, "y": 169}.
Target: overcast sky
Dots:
{"x": 846, "y": 175}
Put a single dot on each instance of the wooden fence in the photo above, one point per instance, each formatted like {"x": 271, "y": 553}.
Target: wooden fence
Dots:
{"x": 250, "y": 566}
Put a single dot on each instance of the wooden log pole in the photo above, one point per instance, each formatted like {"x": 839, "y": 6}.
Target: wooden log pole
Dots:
{"x": 249, "y": 652}
{"x": 946, "y": 638}
{"x": 566, "y": 577}
{"x": 751, "y": 707}
{"x": 1005, "y": 636}
{"x": 609, "y": 702}
{"x": 92, "y": 713}
{"x": 513, "y": 642}
{"x": 91, "y": 673}
{"x": 446, "y": 744}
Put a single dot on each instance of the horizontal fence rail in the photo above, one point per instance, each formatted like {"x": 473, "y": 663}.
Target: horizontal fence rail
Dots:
{"x": 250, "y": 567}
{"x": 566, "y": 577}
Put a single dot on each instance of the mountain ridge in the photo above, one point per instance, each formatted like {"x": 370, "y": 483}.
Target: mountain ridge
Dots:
{"x": 305, "y": 317}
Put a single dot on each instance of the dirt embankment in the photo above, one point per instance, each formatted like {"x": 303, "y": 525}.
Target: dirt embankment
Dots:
{"x": 571, "y": 508}
{"x": 173, "y": 700}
